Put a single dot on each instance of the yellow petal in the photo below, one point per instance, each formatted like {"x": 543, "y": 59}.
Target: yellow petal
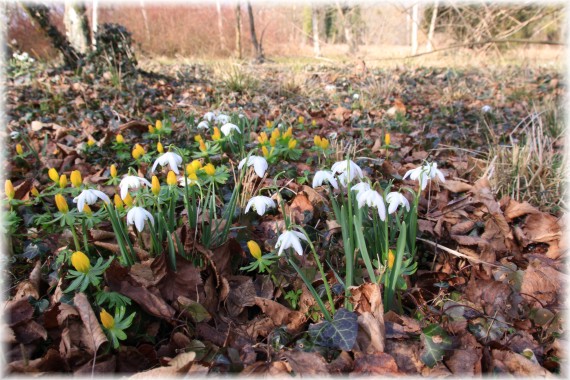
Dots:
{"x": 155, "y": 188}
{"x": 76, "y": 179}
{"x": 80, "y": 262}
{"x": 210, "y": 169}
{"x": 9, "y": 189}
{"x": 171, "y": 179}
{"x": 254, "y": 249}
{"x": 53, "y": 175}
{"x": 107, "y": 319}
{"x": 61, "y": 203}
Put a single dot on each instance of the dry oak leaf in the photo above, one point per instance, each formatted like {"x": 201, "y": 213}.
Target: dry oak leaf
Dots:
{"x": 510, "y": 362}
{"x": 95, "y": 336}
{"x": 306, "y": 363}
{"x": 543, "y": 282}
{"x": 176, "y": 367}
{"x": 281, "y": 315}
{"x": 375, "y": 364}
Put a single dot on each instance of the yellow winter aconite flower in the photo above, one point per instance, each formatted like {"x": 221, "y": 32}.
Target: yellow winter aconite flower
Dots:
{"x": 317, "y": 140}
{"x": 118, "y": 201}
{"x": 80, "y": 262}
{"x": 203, "y": 147}
{"x": 210, "y": 169}
{"x": 288, "y": 133}
{"x": 90, "y": 142}
{"x": 128, "y": 200}
{"x": 107, "y": 319}
{"x": 138, "y": 151}
{"x": 35, "y": 192}
{"x": 113, "y": 171}
{"x": 314, "y": 123}
{"x": 87, "y": 209}
{"x": 193, "y": 166}
{"x": 198, "y": 138}
{"x": 151, "y": 129}
{"x": 262, "y": 138}
{"x": 275, "y": 134}
{"x": 120, "y": 139}
{"x": 292, "y": 144}
{"x": 159, "y": 147}
{"x": 272, "y": 141}
{"x": 75, "y": 178}
{"x": 19, "y": 149}
{"x": 387, "y": 139}
{"x": 217, "y": 134}
{"x": 254, "y": 249}
{"x": 158, "y": 125}
{"x": 324, "y": 143}
{"x": 301, "y": 119}
{"x": 155, "y": 188}
{"x": 171, "y": 179}
{"x": 61, "y": 203}
{"x": 265, "y": 151}
{"x": 268, "y": 123}
{"x": 9, "y": 189}
{"x": 62, "y": 181}
{"x": 53, "y": 175}
{"x": 391, "y": 258}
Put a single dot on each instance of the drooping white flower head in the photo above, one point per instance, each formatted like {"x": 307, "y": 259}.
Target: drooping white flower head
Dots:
{"x": 324, "y": 175}
{"x": 259, "y": 164}
{"x": 223, "y": 119}
{"x": 372, "y": 199}
{"x": 290, "y": 239}
{"x": 395, "y": 199}
{"x": 228, "y": 128}
{"x": 89, "y": 196}
{"x": 260, "y": 204}
{"x": 137, "y": 216}
{"x": 14, "y": 135}
{"x": 169, "y": 158}
{"x": 183, "y": 180}
{"x": 347, "y": 169}
{"x": 362, "y": 186}
{"x": 131, "y": 181}
{"x": 424, "y": 173}
{"x": 210, "y": 117}
{"x": 486, "y": 108}
{"x": 203, "y": 125}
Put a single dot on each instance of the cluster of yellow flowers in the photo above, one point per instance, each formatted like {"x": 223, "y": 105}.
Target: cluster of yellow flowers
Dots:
{"x": 138, "y": 151}
{"x": 321, "y": 142}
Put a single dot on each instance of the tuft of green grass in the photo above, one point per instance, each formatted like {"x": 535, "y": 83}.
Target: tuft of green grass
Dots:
{"x": 236, "y": 78}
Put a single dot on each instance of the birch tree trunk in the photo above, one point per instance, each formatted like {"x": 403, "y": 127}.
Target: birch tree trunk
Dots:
{"x": 76, "y": 26}
{"x": 94, "y": 24}
{"x": 415, "y": 22}
{"x": 347, "y": 26}
{"x": 238, "y": 31}
{"x": 429, "y": 44}
{"x": 145, "y": 20}
{"x": 256, "y": 45}
{"x": 316, "y": 45}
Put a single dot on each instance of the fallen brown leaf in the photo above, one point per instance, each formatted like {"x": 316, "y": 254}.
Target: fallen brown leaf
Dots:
{"x": 95, "y": 336}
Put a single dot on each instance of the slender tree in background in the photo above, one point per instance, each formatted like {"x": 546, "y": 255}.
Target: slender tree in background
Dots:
{"x": 257, "y": 47}
{"x": 220, "y": 25}
{"x": 415, "y": 27}
{"x": 76, "y": 25}
{"x": 145, "y": 20}
{"x": 238, "y": 31}
{"x": 40, "y": 15}
{"x": 316, "y": 45}
{"x": 94, "y": 24}
{"x": 343, "y": 12}
{"x": 330, "y": 31}
{"x": 429, "y": 44}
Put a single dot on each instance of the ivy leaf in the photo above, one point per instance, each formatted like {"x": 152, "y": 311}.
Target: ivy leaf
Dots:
{"x": 436, "y": 342}
{"x": 339, "y": 333}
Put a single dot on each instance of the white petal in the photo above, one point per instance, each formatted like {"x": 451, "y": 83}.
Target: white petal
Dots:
{"x": 297, "y": 246}
{"x": 260, "y": 166}
{"x": 248, "y": 206}
{"x": 139, "y": 220}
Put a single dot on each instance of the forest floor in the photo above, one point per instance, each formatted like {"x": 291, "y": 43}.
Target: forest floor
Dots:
{"x": 478, "y": 292}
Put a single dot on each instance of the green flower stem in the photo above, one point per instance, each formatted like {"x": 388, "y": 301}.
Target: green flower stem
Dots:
{"x": 75, "y": 238}
{"x": 313, "y": 291}
{"x": 84, "y": 233}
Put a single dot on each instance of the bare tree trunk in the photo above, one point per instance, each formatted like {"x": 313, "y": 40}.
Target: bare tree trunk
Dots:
{"x": 94, "y": 24}
{"x": 347, "y": 26}
{"x": 145, "y": 20}
{"x": 220, "y": 25}
{"x": 415, "y": 22}
{"x": 256, "y": 45}
{"x": 429, "y": 44}
{"x": 316, "y": 45}
{"x": 76, "y": 26}
{"x": 40, "y": 14}
{"x": 238, "y": 31}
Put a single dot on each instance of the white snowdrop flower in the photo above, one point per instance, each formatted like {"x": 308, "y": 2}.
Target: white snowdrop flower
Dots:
{"x": 330, "y": 88}
{"x": 223, "y": 119}
{"x": 355, "y": 96}
{"x": 259, "y": 164}
{"x": 137, "y": 216}
{"x": 486, "y": 108}
{"x": 241, "y": 115}
{"x": 89, "y": 197}
{"x": 333, "y": 136}
{"x": 182, "y": 181}
{"x": 290, "y": 239}
{"x": 133, "y": 182}
{"x": 362, "y": 186}
{"x": 170, "y": 158}
{"x": 424, "y": 173}
{"x": 395, "y": 199}
{"x": 203, "y": 125}
{"x": 228, "y": 127}
{"x": 209, "y": 116}
{"x": 324, "y": 175}
{"x": 342, "y": 167}
{"x": 14, "y": 135}
{"x": 260, "y": 204}
{"x": 372, "y": 198}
